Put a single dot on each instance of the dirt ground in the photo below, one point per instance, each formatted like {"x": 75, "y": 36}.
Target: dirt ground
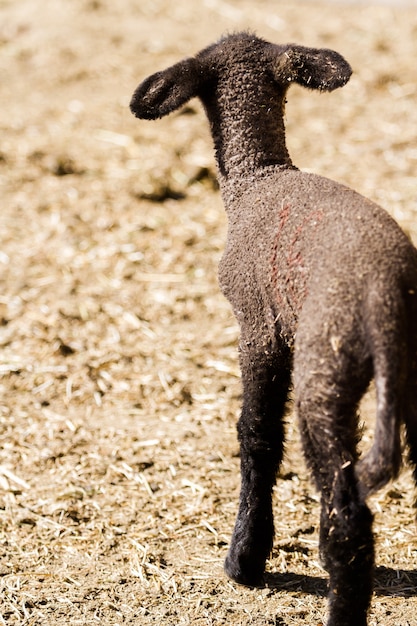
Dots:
{"x": 119, "y": 385}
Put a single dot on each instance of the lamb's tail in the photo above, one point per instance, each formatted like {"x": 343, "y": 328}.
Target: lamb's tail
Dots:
{"x": 410, "y": 395}
{"x": 382, "y": 462}
{"x": 392, "y": 344}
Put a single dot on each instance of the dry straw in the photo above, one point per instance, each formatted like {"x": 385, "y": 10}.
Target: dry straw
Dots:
{"x": 119, "y": 386}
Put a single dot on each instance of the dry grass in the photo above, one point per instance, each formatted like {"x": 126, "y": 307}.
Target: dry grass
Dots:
{"x": 118, "y": 373}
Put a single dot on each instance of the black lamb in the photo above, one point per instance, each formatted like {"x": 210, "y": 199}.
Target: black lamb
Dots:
{"x": 323, "y": 283}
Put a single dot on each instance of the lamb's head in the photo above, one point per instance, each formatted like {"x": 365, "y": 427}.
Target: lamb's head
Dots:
{"x": 242, "y": 81}
{"x": 212, "y": 68}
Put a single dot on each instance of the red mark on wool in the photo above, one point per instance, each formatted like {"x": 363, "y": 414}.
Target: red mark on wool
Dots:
{"x": 292, "y": 275}
{"x": 284, "y": 214}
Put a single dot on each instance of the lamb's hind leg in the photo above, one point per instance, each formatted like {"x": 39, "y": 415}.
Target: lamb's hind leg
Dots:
{"x": 346, "y": 543}
{"x": 261, "y": 437}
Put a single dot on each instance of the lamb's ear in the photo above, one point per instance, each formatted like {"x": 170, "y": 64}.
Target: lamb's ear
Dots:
{"x": 166, "y": 91}
{"x": 315, "y": 68}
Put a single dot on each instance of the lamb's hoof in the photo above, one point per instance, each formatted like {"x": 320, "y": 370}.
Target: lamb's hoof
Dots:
{"x": 250, "y": 576}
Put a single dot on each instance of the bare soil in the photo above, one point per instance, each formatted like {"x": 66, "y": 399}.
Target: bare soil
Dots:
{"x": 119, "y": 384}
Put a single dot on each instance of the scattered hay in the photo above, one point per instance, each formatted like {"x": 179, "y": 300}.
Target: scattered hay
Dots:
{"x": 118, "y": 371}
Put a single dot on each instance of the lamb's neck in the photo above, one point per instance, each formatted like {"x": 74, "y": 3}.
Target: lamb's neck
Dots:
{"x": 248, "y": 139}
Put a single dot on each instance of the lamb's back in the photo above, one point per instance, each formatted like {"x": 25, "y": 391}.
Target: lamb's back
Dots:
{"x": 295, "y": 236}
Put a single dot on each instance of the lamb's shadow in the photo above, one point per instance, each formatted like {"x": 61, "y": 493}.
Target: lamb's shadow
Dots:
{"x": 313, "y": 585}
{"x": 388, "y": 581}
{"x": 401, "y": 583}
